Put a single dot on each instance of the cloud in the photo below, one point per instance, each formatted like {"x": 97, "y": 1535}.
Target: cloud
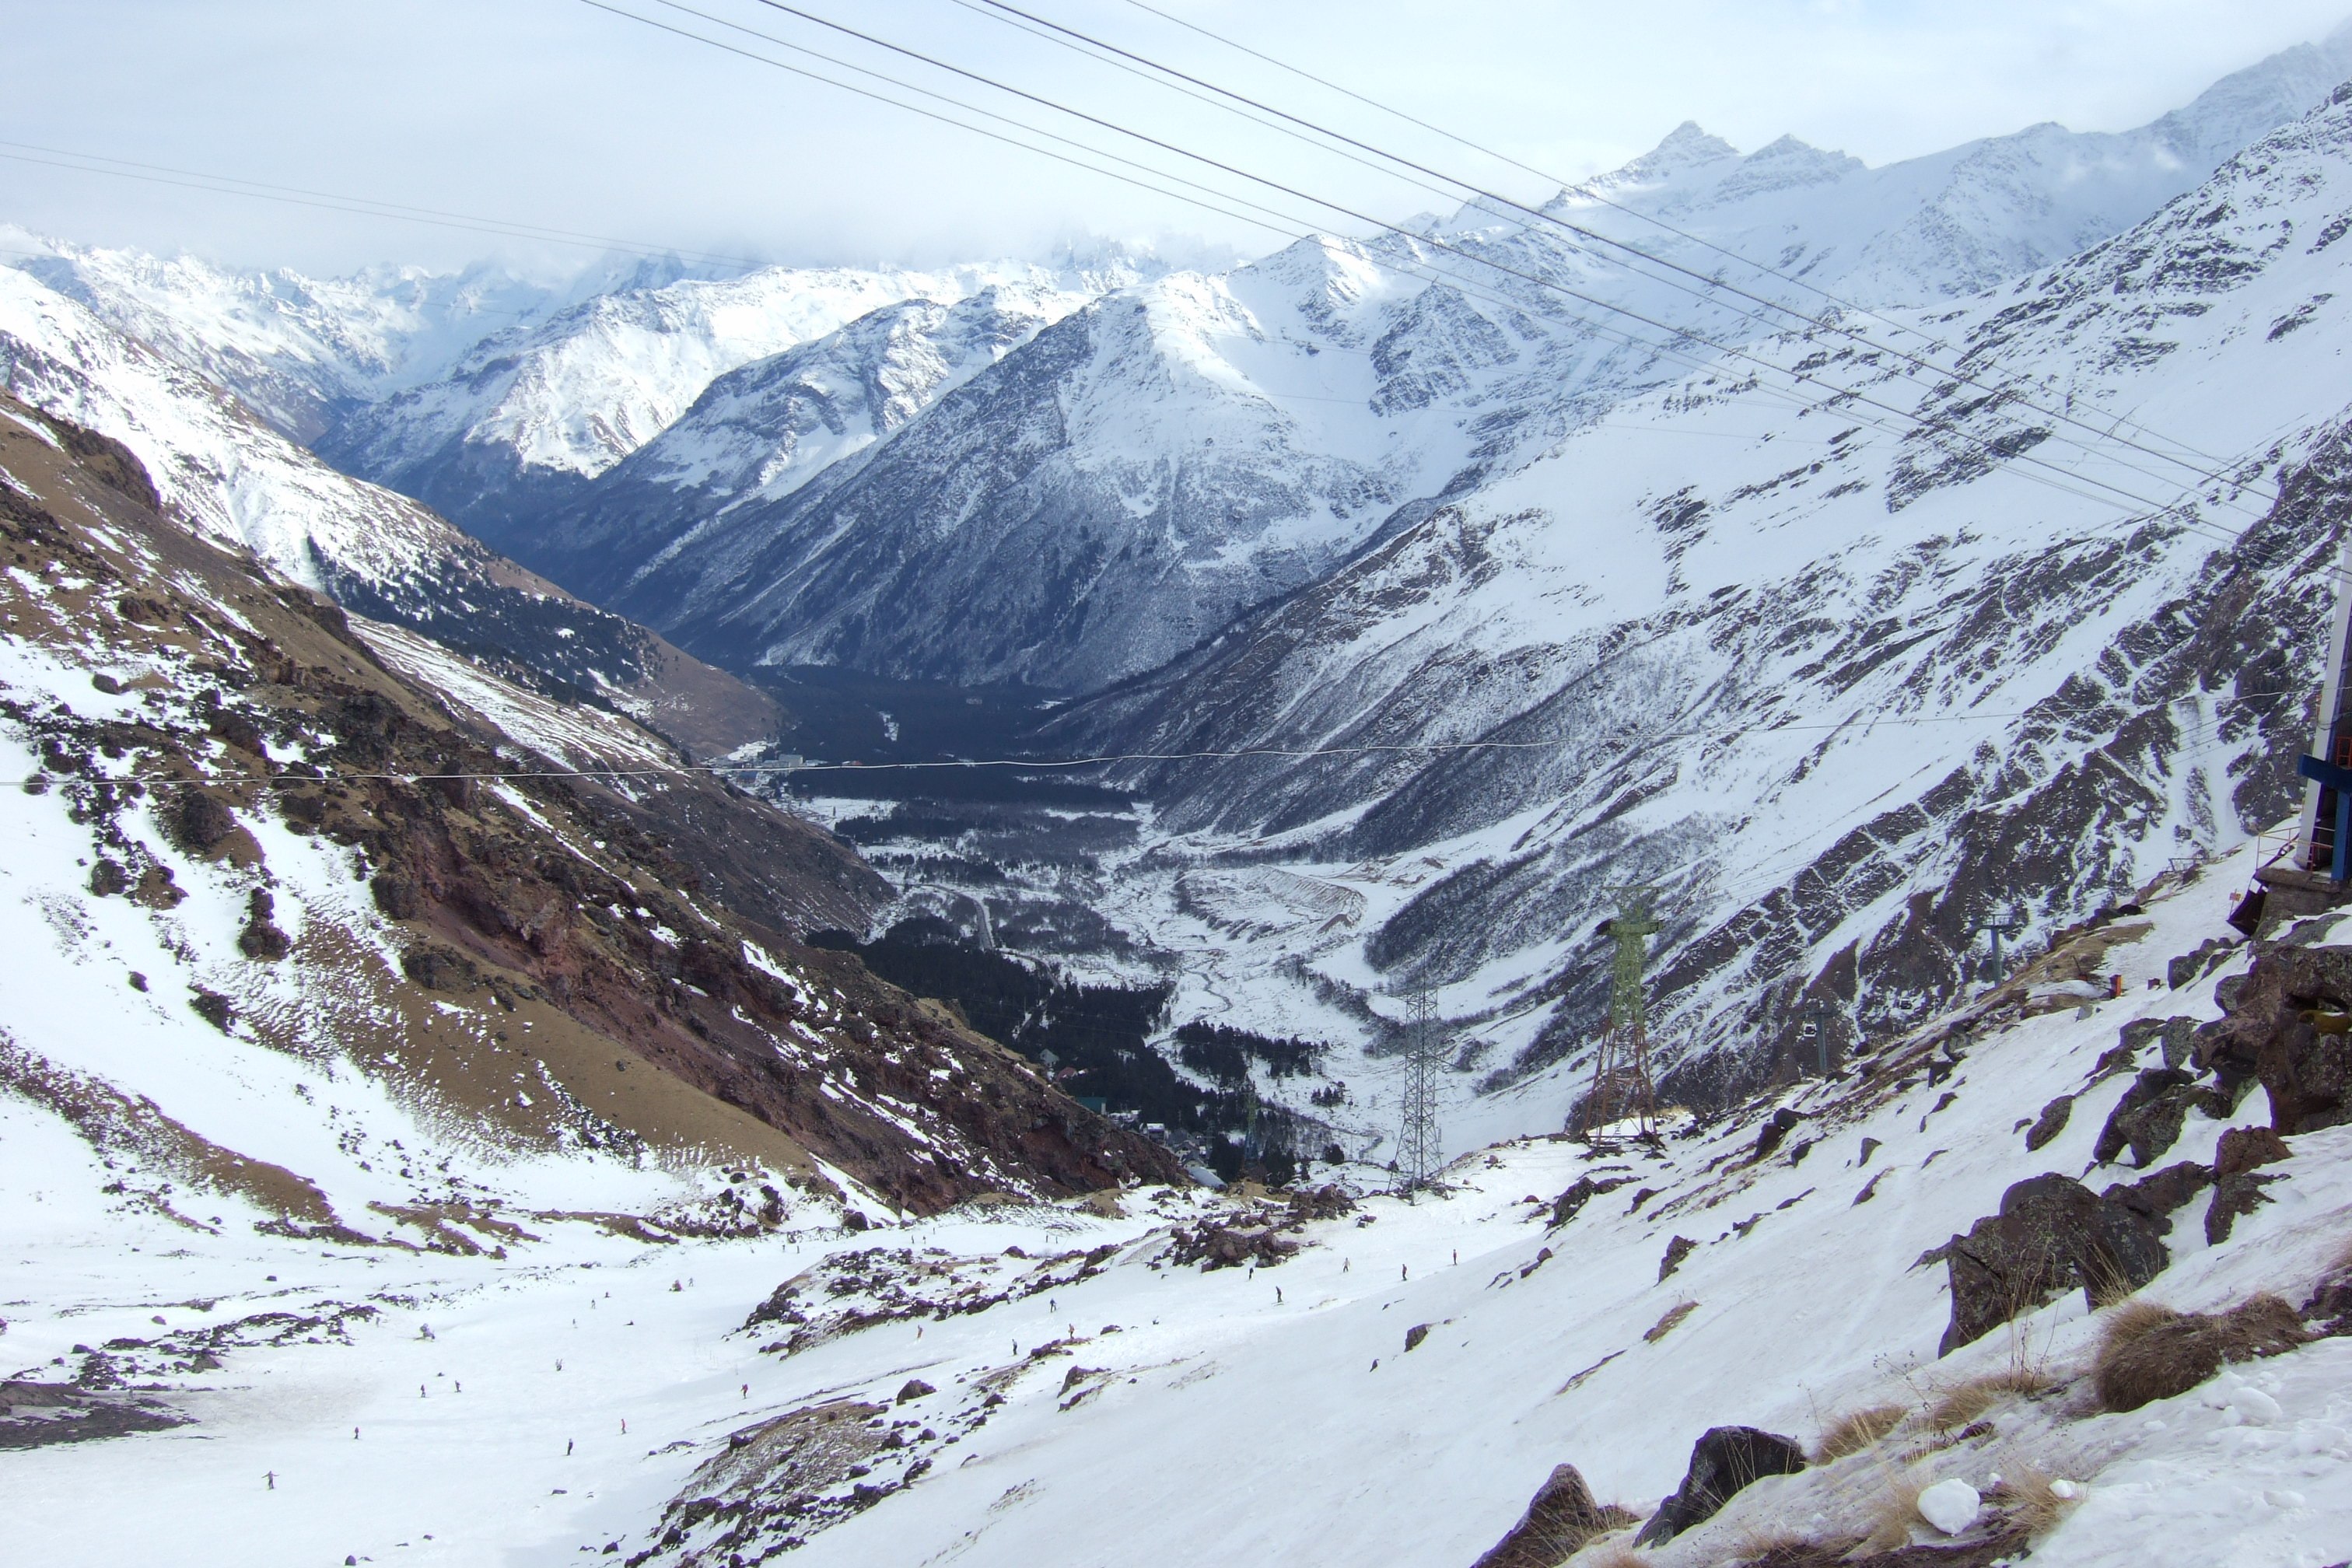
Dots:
{"x": 553, "y": 113}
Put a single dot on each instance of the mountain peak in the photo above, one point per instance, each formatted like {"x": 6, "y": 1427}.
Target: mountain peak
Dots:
{"x": 1686, "y": 146}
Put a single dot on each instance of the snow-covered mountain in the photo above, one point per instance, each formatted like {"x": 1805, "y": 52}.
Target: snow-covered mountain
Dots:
{"x": 300, "y": 351}
{"x": 1120, "y": 488}
{"x": 527, "y": 417}
{"x": 759, "y": 432}
{"x": 1946, "y": 224}
{"x": 224, "y": 472}
{"x": 1843, "y": 655}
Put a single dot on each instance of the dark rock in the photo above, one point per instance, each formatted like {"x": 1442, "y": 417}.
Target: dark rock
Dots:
{"x": 1562, "y": 1517}
{"x": 2158, "y": 1195}
{"x": 2050, "y": 1123}
{"x": 1869, "y": 1146}
{"x": 915, "y": 1388}
{"x": 1678, "y": 1249}
{"x": 213, "y": 1007}
{"x": 2052, "y": 1235}
{"x": 2147, "y": 1118}
{"x": 200, "y": 822}
{"x": 395, "y": 895}
{"x": 261, "y": 940}
{"x": 855, "y": 1219}
{"x": 2191, "y": 967}
{"x": 1414, "y": 1335}
{"x": 2138, "y": 1032}
{"x": 2179, "y": 1041}
{"x": 1722, "y": 1464}
{"x": 2279, "y": 1028}
{"x": 1565, "y": 1207}
{"x": 2234, "y": 1197}
{"x": 439, "y": 968}
{"x": 2245, "y": 1148}
{"x": 108, "y": 878}
{"x": 1776, "y": 1127}
{"x": 2330, "y": 1306}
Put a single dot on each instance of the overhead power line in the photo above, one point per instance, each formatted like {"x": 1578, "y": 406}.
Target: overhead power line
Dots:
{"x": 1357, "y": 215}
{"x": 1585, "y": 190}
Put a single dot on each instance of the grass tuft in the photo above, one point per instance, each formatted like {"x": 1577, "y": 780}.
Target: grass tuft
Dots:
{"x": 1961, "y": 1402}
{"x": 1893, "y": 1512}
{"x": 2148, "y": 1352}
{"x": 2025, "y": 1495}
{"x": 1857, "y": 1430}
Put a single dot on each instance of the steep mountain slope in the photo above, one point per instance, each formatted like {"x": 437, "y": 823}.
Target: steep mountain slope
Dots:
{"x": 526, "y": 418}
{"x": 1018, "y": 1384}
{"x": 286, "y": 922}
{"x": 223, "y": 471}
{"x": 759, "y": 432}
{"x": 1842, "y": 682}
{"x": 1120, "y": 488}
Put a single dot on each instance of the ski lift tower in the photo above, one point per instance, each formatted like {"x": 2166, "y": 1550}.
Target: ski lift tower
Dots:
{"x": 1622, "y": 1091}
{"x": 1418, "y": 1142}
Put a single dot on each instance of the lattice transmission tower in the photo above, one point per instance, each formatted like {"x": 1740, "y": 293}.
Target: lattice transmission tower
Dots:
{"x": 1418, "y": 1138}
{"x": 1622, "y": 1101}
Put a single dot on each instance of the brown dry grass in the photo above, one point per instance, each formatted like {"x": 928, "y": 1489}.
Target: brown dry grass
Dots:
{"x": 1857, "y": 1430}
{"x": 2026, "y": 1497}
{"x": 1666, "y": 1325}
{"x": 2148, "y": 1352}
{"x": 1893, "y": 1511}
{"x": 1613, "y": 1554}
{"x": 1959, "y": 1403}
{"x": 1760, "y": 1543}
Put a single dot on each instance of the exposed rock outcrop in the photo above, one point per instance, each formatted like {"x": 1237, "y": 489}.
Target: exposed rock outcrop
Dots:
{"x": 1560, "y": 1519}
{"x": 1722, "y": 1463}
{"x": 2275, "y": 1030}
{"x": 2052, "y": 1235}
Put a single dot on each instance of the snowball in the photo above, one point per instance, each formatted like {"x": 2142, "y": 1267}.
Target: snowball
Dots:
{"x": 2065, "y": 1491}
{"x": 2253, "y": 1406}
{"x": 1951, "y": 1506}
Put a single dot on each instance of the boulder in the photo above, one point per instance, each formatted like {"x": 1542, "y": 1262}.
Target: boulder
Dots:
{"x": 1678, "y": 1249}
{"x": 2245, "y": 1148}
{"x": 2158, "y": 1195}
{"x": 1722, "y": 1464}
{"x": 1565, "y": 1207}
{"x": 2148, "y": 1119}
{"x": 1557, "y": 1523}
{"x": 2050, "y": 1123}
{"x": 1779, "y": 1125}
{"x": 2234, "y": 1197}
{"x": 2280, "y": 1028}
{"x": 2052, "y": 1235}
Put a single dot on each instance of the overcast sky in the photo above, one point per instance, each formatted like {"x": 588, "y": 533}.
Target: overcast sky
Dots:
{"x": 557, "y": 114}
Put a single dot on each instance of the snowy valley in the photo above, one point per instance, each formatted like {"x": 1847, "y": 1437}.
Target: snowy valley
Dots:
{"x": 711, "y": 914}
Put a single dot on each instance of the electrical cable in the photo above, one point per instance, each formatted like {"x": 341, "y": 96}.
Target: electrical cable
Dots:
{"x": 1729, "y": 351}
{"x": 1566, "y": 186}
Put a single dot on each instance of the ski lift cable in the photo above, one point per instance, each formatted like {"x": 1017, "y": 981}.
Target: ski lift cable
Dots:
{"x": 1355, "y": 214}
{"x": 1566, "y": 187}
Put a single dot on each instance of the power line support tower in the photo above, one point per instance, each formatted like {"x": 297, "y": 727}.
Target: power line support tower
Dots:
{"x": 1622, "y": 1091}
{"x": 1418, "y": 1142}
